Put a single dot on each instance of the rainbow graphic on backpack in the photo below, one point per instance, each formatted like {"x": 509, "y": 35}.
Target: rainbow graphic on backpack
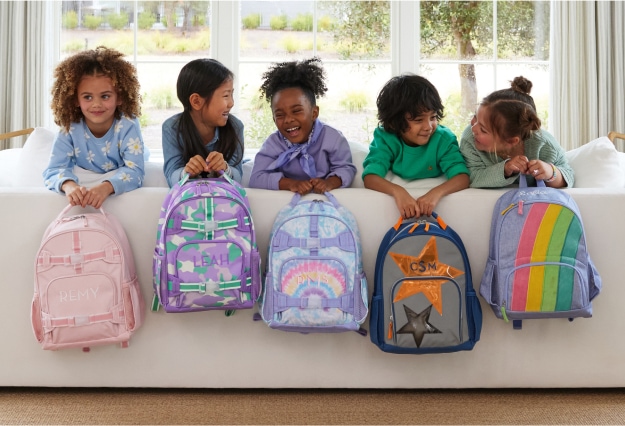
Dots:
{"x": 314, "y": 280}
{"x": 538, "y": 265}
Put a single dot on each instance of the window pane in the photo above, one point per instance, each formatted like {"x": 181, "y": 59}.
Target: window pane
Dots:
{"x": 178, "y": 28}
{"x": 456, "y": 30}
{"x": 523, "y": 30}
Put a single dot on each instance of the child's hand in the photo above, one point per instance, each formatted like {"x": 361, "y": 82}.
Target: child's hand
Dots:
{"x": 95, "y": 196}
{"x": 196, "y": 165}
{"x": 427, "y": 203}
{"x": 406, "y": 205}
{"x": 515, "y": 165}
{"x": 320, "y": 186}
{"x": 215, "y": 162}
{"x": 539, "y": 169}
{"x": 302, "y": 187}
{"x": 74, "y": 193}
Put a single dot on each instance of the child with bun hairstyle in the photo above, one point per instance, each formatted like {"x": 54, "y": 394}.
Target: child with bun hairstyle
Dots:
{"x": 204, "y": 138}
{"x": 96, "y": 101}
{"x": 505, "y": 139}
{"x": 303, "y": 155}
{"x": 410, "y": 143}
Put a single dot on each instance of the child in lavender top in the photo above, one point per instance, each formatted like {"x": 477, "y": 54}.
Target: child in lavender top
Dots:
{"x": 304, "y": 155}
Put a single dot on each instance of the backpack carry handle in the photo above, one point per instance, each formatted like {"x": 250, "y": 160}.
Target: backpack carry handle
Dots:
{"x": 297, "y": 196}
{"x": 401, "y": 220}
{"x": 185, "y": 177}
{"x": 523, "y": 182}
{"x": 69, "y": 207}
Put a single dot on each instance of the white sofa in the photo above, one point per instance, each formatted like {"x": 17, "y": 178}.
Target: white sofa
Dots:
{"x": 209, "y": 350}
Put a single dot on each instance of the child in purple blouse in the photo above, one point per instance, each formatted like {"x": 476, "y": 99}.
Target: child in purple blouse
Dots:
{"x": 304, "y": 155}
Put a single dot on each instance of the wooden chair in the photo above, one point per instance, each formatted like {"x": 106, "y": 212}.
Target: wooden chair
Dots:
{"x": 22, "y": 132}
{"x": 616, "y": 135}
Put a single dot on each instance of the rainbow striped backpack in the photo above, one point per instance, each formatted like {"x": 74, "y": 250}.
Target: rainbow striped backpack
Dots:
{"x": 314, "y": 280}
{"x": 538, "y": 264}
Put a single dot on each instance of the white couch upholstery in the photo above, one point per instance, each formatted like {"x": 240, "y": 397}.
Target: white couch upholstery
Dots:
{"x": 209, "y": 350}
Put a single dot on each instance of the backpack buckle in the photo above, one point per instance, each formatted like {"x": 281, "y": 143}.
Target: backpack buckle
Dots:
{"x": 312, "y": 243}
{"x": 76, "y": 259}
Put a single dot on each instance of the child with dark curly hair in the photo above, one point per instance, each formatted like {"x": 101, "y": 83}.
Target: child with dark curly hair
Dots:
{"x": 304, "y": 155}
{"x": 410, "y": 143}
{"x": 96, "y": 102}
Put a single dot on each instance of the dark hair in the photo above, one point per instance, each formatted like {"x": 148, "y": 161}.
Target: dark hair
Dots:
{"x": 406, "y": 94}
{"x": 98, "y": 61}
{"x": 519, "y": 90}
{"x": 510, "y": 118}
{"x": 203, "y": 76}
{"x": 307, "y": 75}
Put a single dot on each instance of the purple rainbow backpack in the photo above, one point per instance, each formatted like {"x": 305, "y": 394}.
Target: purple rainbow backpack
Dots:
{"x": 206, "y": 256}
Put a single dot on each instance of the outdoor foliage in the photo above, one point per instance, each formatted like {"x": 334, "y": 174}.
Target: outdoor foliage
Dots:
{"x": 70, "y": 20}
{"x": 302, "y": 22}
{"x": 354, "y": 101}
{"x": 92, "y": 22}
{"x": 146, "y": 20}
{"x": 118, "y": 21}
{"x": 251, "y": 21}
{"x": 278, "y": 23}
{"x": 362, "y": 28}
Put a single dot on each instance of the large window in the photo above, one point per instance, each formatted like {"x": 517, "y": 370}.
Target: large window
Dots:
{"x": 466, "y": 48}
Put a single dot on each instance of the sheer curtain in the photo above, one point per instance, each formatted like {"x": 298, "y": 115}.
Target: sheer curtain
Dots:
{"x": 28, "y": 51}
{"x": 587, "y": 70}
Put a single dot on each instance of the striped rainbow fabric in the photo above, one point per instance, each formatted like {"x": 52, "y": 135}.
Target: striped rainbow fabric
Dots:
{"x": 551, "y": 233}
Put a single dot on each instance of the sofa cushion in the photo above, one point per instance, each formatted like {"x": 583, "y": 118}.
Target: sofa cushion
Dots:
{"x": 34, "y": 158}
{"x": 597, "y": 164}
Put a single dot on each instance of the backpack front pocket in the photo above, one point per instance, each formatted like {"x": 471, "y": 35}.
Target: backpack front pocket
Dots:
{"x": 546, "y": 287}
{"x": 313, "y": 291}
{"x": 82, "y": 308}
{"x": 426, "y": 312}
{"x": 209, "y": 274}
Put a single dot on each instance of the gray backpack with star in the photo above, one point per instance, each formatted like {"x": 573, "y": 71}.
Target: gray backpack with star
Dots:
{"x": 423, "y": 298}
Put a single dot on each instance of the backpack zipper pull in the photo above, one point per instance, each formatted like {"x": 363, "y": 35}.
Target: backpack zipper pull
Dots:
{"x": 520, "y": 208}
{"x": 507, "y": 209}
{"x": 503, "y": 312}
{"x": 390, "y": 329}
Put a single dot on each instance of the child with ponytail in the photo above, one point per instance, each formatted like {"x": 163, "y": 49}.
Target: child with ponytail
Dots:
{"x": 505, "y": 139}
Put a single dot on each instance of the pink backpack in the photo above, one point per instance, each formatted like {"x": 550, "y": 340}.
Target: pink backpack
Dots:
{"x": 86, "y": 287}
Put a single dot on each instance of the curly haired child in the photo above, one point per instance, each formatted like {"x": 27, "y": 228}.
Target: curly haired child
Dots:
{"x": 410, "y": 143}
{"x": 96, "y": 102}
{"x": 303, "y": 155}
{"x": 505, "y": 139}
{"x": 205, "y": 138}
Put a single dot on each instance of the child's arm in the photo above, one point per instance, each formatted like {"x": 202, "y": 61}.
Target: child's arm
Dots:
{"x": 486, "y": 171}
{"x": 339, "y": 158}
{"x": 130, "y": 173}
{"x": 428, "y": 202}
{"x": 261, "y": 177}
{"x": 173, "y": 164}
{"x": 406, "y": 204}
{"x": 61, "y": 165}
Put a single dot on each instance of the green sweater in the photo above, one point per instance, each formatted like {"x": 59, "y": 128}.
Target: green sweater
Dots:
{"x": 487, "y": 168}
{"x": 441, "y": 155}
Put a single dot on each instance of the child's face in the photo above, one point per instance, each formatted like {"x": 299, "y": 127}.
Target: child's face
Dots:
{"x": 420, "y": 128}
{"x": 485, "y": 140}
{"x": 98, "y": 100}
{"x": 216, "y": 111}
{"x": 293, "y": 114}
